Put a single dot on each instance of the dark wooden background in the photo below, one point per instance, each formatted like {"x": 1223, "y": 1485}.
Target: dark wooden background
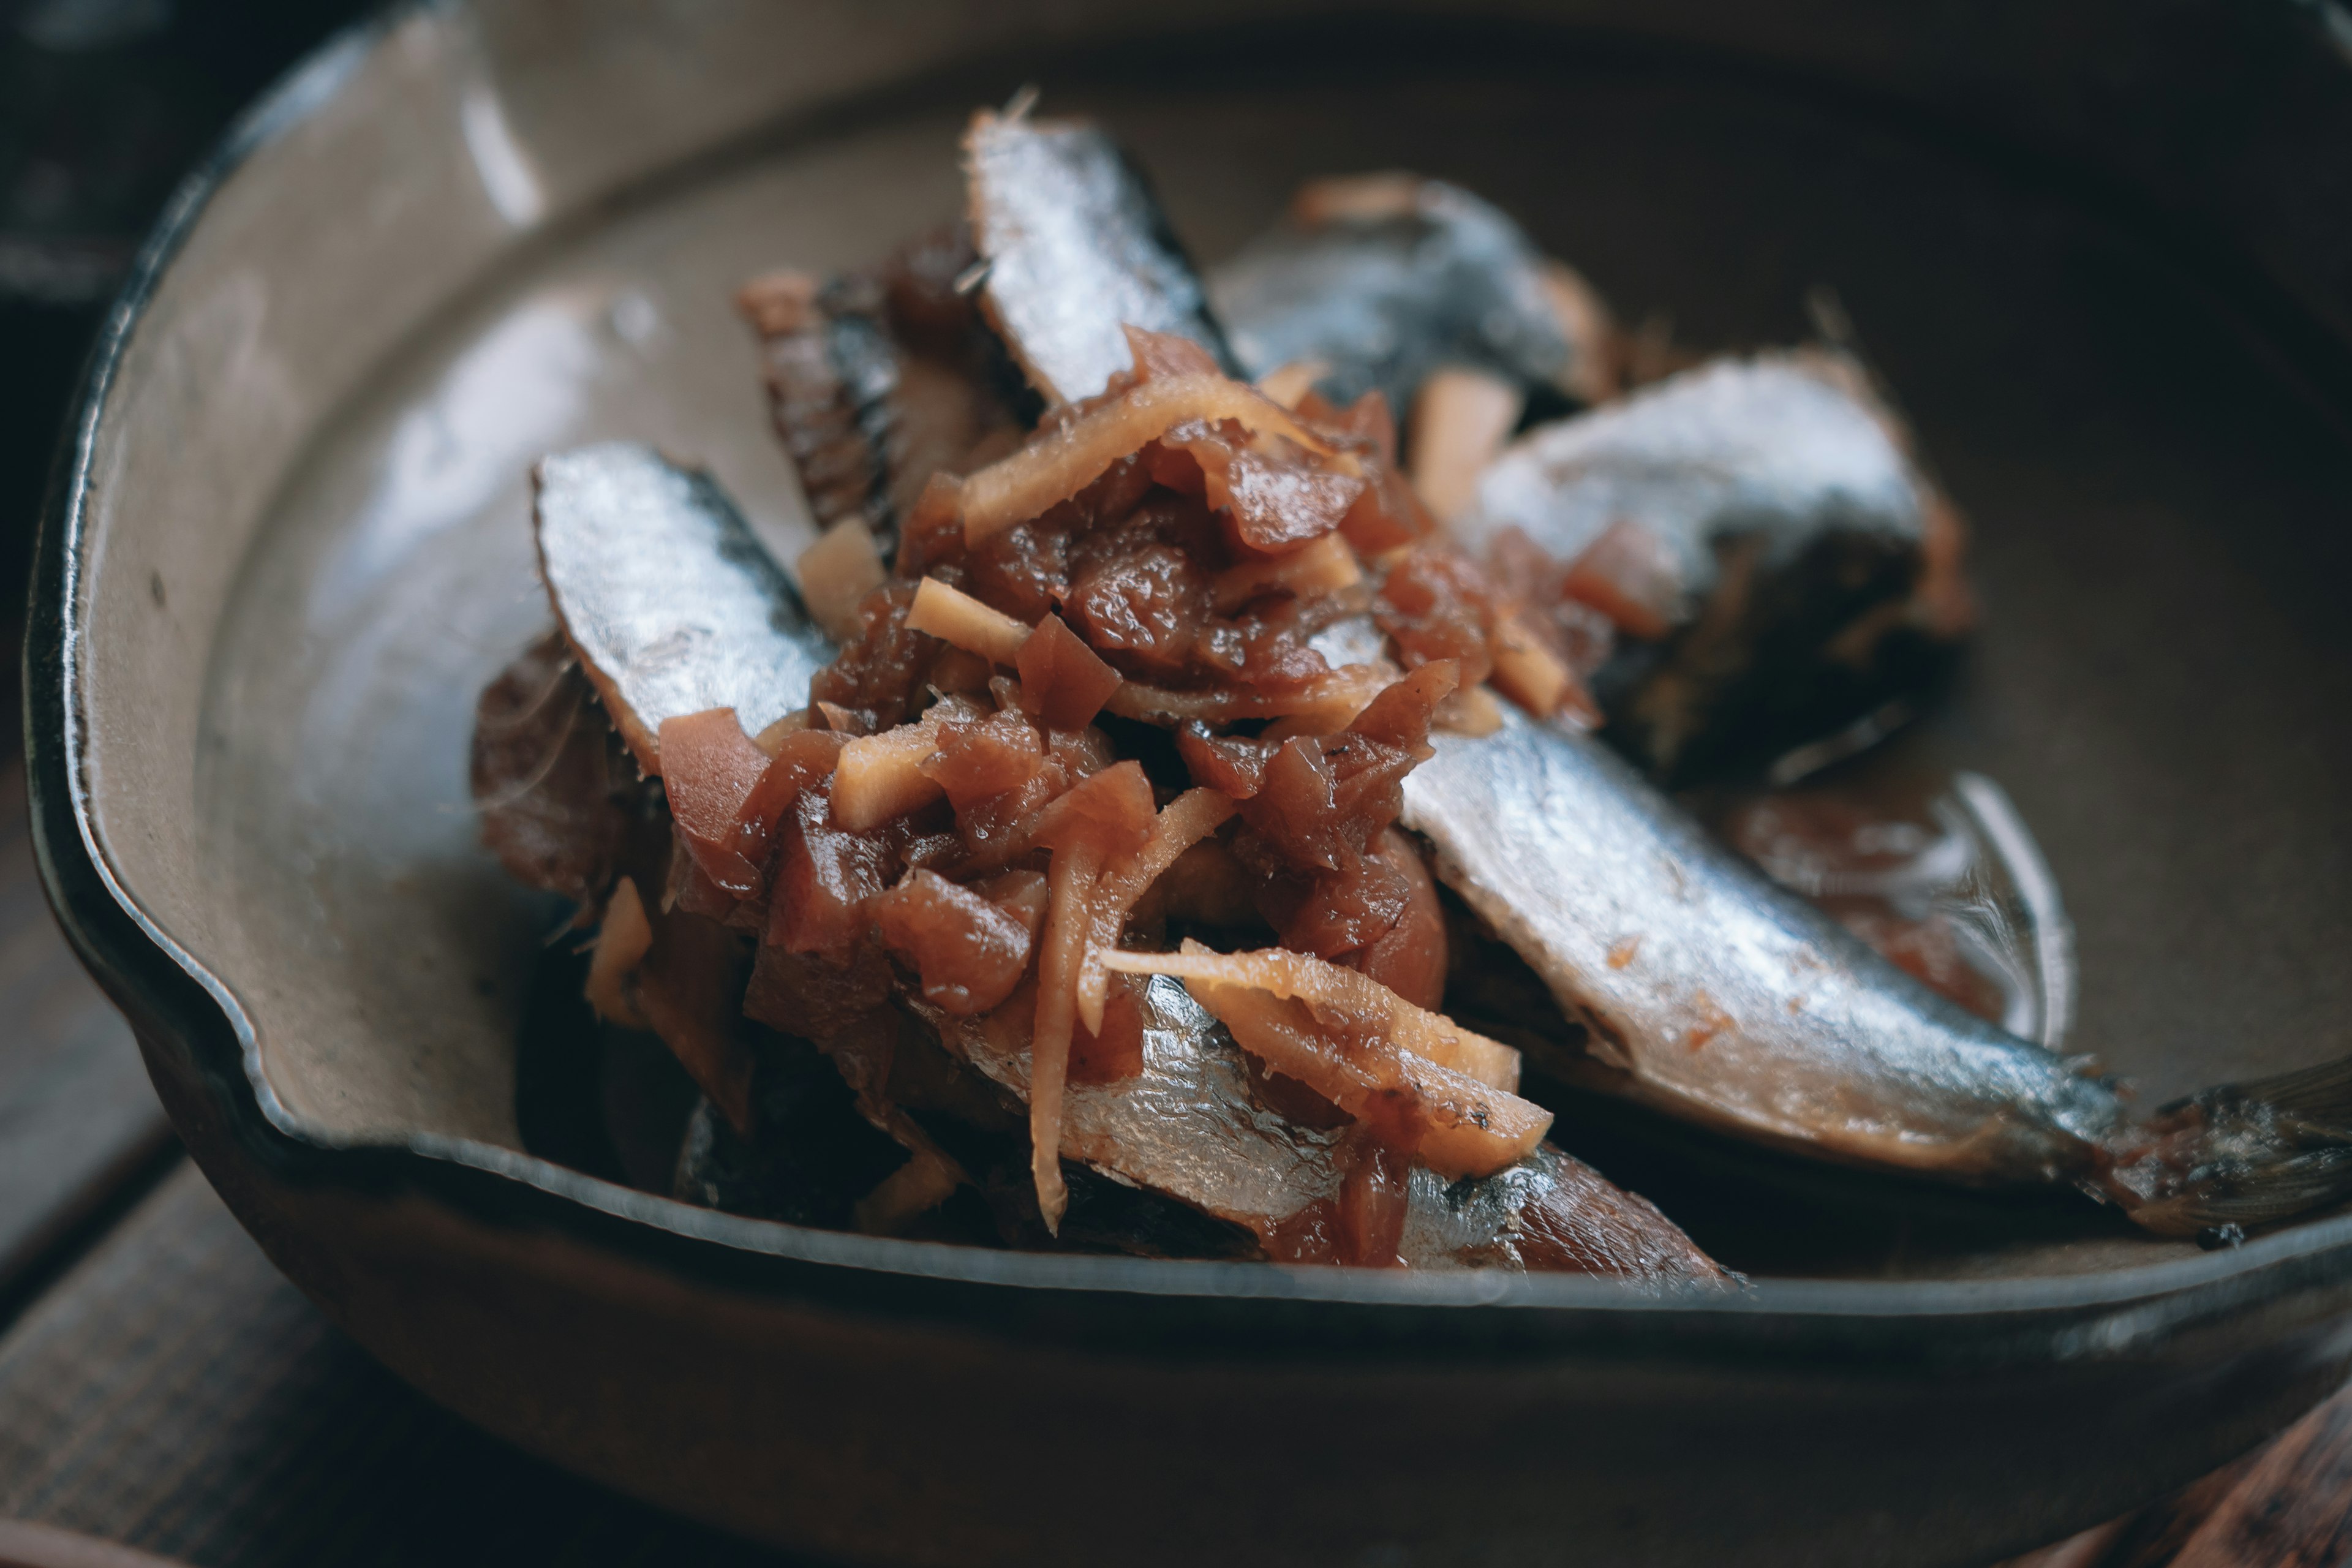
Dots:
{"x": 160, "y": 1385}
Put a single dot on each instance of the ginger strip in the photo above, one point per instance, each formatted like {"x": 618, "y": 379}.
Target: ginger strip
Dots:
{"x": 1055, "y": 468}
{"x": 1182, "y": 823}
{"x": 1462, "y": 1126}
{"x": 955, "y": 617}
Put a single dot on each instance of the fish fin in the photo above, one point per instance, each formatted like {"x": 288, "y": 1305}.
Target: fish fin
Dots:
{"x": 2243, "y": 1154}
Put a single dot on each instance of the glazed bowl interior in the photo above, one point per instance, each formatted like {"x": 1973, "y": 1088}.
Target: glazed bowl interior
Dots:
{"x": 482, "y": 236}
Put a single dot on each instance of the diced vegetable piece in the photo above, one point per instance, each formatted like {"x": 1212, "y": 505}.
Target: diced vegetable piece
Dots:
{"x": 881, "y": 776}
{"x": 1110, "y": 809}
{"x": 1460, "y": 418}
{"x": 1529, "y": 673}
{"x": 621, "y": 944}
{"x": 970, "y": 951}
{"x": 837, "y": 572}
{"x": 1063, "y": 681}
{"x": 824, "y": 878}
{"x": 914, "y": 1188}
{"x": 800, "y": 760}
{"x": 1325, "y": 565}
{"x": 690, "y": 989}
{"x": 1470, "y": 711}
{"x": 953, "y": 616}
{"x": 709, "y": 768}
{"x": 1629, "y": 576}
{"x": 792, "y": 723}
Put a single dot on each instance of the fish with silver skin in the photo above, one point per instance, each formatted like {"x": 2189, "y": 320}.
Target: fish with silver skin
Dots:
{"x": 1811, "y": 570}
{"x": 1188, "y": 1126}
{"x": 1076, "y": 249}
{"x": 1382, "y": 279}
{"x": 1690, "y": 983}
{"x": 669, "y": 601}
{"x": 673, "y": 608}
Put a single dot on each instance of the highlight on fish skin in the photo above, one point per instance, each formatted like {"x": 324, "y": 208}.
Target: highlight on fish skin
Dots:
{"x": 1202, "y": 793}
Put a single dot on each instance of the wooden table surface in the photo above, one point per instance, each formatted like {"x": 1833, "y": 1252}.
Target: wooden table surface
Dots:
{"x": 161, "y": 1385}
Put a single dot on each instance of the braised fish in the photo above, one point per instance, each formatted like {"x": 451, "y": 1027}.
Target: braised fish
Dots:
{"x": 1761, "y": 528}
{"x": 1687, "y": 981}
{"x": 1381, "y": 279}
{"x": 669, "y": 600}
{"x": 1075, "y": 248}
{"x": 880, "y": 378}
{"x": 1191, "y": 1126}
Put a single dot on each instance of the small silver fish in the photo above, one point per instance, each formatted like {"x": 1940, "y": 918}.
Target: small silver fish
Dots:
{"x": 1382, "y": 279}
{"x": 667, "y": 598}
{"x": 1811, "y": 566}
{"x": 1703, "y": 990}
{"x": 1076, "y": 248}
{"x": 1190, "y": 1126}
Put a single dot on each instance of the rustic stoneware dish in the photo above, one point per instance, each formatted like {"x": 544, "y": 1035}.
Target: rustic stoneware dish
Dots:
{"x": 2104, "y": 252}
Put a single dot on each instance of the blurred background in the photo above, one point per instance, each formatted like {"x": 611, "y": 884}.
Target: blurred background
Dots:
{"x": 104, "y": 104}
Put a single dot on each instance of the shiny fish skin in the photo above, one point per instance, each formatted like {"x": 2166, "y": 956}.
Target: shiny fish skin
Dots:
{"x": 1187, "y": 1125}
{"x": 670, "y": 603}
{"x": 1384, "y": 297}
{"x": 1787, "y": 445}
{"x": 1785, "y": 464}
{"x": 1716, "y": 996}
{"x": 1076, "y": 248}
{"x": 1190, "y": 1127}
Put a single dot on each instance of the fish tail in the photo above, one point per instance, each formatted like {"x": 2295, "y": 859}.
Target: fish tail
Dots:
{"x": 2238, "y": 1155}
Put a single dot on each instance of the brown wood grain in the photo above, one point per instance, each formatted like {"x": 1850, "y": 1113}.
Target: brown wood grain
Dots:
{"x": 173, "y": 1393}
{"x": 2293, "y": 1507}
{"x": 2286, "y": 1505}
{"x": 77, "y": 1117}
{"x": 25, "y": 1545}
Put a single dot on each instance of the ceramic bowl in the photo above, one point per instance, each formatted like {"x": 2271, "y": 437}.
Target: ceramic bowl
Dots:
{"x": 2102, "y": 252}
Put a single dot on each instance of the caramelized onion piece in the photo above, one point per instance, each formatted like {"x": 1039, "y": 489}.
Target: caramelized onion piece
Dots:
{"x": 955, "y": 617}
{"x": 800, "y": 760}
{"x": 1411, "y": 959}
{"x": 970, "y": 951}
{"x": 1063, "y": 681}
{"x": 1057, "y": 465}
{"x": 709, "y": 768}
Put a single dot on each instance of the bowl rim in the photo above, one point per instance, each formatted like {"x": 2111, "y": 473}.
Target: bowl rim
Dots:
{"x": 178, "y": 1003}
